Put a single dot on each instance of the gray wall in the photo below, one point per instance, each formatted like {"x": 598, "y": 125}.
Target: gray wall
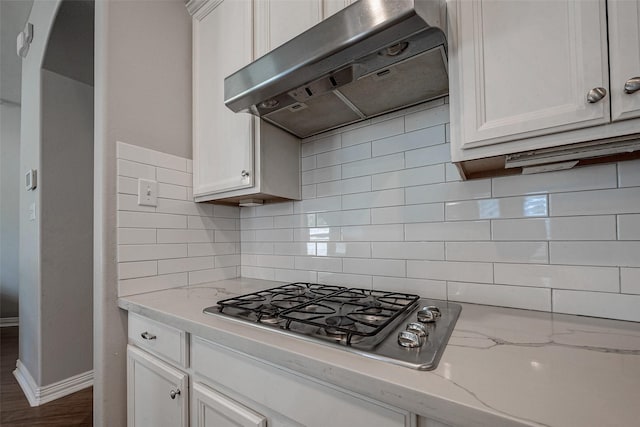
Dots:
{"x": 143, "y": 97}
{"x": 10, "y": 186}
{"x": 67, "y": 227}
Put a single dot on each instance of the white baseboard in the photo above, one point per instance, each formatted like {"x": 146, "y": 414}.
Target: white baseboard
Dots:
{"x": 40, "y": 395}
{"x": 8, "y": 321}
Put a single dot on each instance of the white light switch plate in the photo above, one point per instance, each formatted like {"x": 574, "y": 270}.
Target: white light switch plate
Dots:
{"x": 147, "y": 192}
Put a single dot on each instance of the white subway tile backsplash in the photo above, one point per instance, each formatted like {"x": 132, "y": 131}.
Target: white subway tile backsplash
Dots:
{"x": 519, "y": 252}
{"x": 259, "y": 223}
{"x": 629, "y": 227}
{"x": 328, "y": 143}
{"x": 629, "y": 173}
{"x": 258, "y": 272}
{"x": 292, "y": 276}
{"x": 183, "y": 207}
{"x": 630, "y": 280}
{"x": 340, "y": 279}
{"x": 127, "y": 185}
{"x": 294, "y": 221}
{"x": 407, "y": 214}
{"x": 136, "y": 236}
{"x": 152, "y": 283}
{"x": 448, "y": 270}
{"x": 331, "y": 173}
{"x": 373, "y": 132}
{"x": 585, "y": 178}
{"x": 150, "y": 220}
{"x": 135, "y": 170}
{"x": 409, "y": 141}
{"x": 373, "y": 199}
{"x": 599, "y": 304}
{"x": 180, "y": 265}
{"x": 127, "y": 202}
{"x": 408, "y": 177}
{"x": 344, "y": 249}
{"x": 344, "y": 155}
{"x": 335, "y": 219}
{"x": 171, "y": 176}
{"x": 448, "y": 191}
{"x": 448, "y": 231}
{"x": 503, "y": 296}
{"x": 309, "y": 191}
{"x": 170, "y": 191}
{"x": 436, "y": 289}
{"x": 293, "y": 248}
{"x": 277, "y": 235}
{"x": 613, "y": 253}
{"x": 308, "y": 163}
{"x": 345, "y": 186}
{"x": 427, "y": 118}
{"x": 269, "y": 209}
{"x": 318, "y": 264}
{"x": 434, "y": 155}
{"x": 317, "y": 234}
{"x": 179, "y": 242}
{"x": 129, "y": 270}
{"x": 373, "y": 233}
{"x": 601, "y": 279}
{"x": 508, "y": 207}
{"x": 321, "y": 204}
{"x": 616, "y": 201}
{"x": 451, "y": 172}
{"x": 566, "y": 228}
{"x": 372, "y": 166}
{"x": 151, "y": 252}
{"x": 376, "y": 267}
{"x": 408, "y": 250}
{"x": 259, "y": 247}
{"x": 184, "y": 236}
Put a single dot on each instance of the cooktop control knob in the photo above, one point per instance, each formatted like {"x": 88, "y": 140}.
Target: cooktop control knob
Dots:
{"x": 429, "y": 314}
{"x": 418, "y": 329}
{"x": 409, "y": 339}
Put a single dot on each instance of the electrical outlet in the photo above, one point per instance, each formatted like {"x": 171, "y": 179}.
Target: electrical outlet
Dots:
{"x": 32, "y": 212}
{"x": 147, "y": 192}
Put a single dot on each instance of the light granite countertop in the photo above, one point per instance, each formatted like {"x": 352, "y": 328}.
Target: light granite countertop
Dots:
{"x": 502, "y": 367}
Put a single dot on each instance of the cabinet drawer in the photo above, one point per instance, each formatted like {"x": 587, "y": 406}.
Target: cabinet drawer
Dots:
{"x": 276, "y": 392}
{"x": 160, "y": 339}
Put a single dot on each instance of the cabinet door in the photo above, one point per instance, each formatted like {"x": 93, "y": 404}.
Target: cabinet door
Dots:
{"x": 624, "y": 52}
{"x": 223, "y": 140}
{"x": 156, "y": 392}
{"x": 329, "y": 7}
{"x": 278, "y": 21}
{"x": 212, "y": 409}
{"x": 524, "y": 68}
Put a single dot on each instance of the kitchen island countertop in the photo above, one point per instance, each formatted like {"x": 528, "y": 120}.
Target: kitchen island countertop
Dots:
{"x": 502, "y": 367}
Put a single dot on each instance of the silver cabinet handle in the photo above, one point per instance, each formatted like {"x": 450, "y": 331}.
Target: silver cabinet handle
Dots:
{"x": 632, "y": 85}
{"x": 148, "y": 336}
{"x": 596, "y": 94}
{"x": 245, "y": 174}
{"x": 174, "y": 393}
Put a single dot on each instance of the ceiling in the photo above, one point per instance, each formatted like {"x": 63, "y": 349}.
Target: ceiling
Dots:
{"x": 13, "y": 16}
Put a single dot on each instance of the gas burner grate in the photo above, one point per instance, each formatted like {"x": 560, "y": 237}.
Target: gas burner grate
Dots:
{"x": 355, "y": 312}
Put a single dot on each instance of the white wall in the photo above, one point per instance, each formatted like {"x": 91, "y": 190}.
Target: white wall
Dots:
{"x": 384, "y": 207}
{"x": 10, "y": 187}
{"x": 143, "y": 96}
{"x": 66, "y": 185}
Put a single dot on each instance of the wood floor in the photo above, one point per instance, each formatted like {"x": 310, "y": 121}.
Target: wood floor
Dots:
{"x": 75, "y": 410}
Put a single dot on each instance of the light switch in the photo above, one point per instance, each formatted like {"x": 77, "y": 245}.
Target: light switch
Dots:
{"x": 32, "y": 212}
{"x": 147, "y": 192}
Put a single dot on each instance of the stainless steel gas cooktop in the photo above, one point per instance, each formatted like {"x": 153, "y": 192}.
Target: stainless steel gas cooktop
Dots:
{"x": 391, "y": 326}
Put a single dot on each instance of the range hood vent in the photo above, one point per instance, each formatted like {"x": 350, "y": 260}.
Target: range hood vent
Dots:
{"x": 371, "y": 58}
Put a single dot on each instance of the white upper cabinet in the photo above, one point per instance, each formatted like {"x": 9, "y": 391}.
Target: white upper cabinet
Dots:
{"x": 223, "y": 140}
{"x": 278, "y": 21}
{"x": 525, "y": 68}
{"x": 624, "y": 52}
{"x": 332, "y": 6}
{"x": 235, "y": 155}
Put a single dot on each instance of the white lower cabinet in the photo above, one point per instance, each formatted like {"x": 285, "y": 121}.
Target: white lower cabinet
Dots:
{"x": 283, "y": 397}
{"x": 212, "y": 409}
{"x": 157, "y": 393}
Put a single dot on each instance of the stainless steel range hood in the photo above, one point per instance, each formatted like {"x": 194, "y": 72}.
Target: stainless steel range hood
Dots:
{"x": 373, "y": 57}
